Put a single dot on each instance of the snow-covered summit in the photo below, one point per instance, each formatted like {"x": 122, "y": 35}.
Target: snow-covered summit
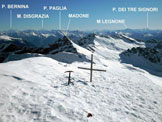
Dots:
{"x": 37, "y": 91}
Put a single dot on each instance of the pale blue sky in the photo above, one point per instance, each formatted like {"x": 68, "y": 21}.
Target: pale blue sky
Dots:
{"x": 96, "y": 8}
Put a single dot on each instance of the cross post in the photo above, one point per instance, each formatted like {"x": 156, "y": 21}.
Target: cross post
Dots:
{"x": 91, "y": 67}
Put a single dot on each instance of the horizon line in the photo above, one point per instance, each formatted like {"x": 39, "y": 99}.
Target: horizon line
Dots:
{"x": 78, "y": 30}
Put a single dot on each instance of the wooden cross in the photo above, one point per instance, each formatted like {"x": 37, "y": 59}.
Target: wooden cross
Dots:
{"x": 91, "y": 68}
{"x": 69, "y": 78}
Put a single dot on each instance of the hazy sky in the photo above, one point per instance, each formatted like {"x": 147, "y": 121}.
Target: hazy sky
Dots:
{"x": 97, "y": 9}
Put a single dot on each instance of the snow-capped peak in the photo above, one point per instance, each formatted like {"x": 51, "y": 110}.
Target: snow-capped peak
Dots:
{"x": 4, "y": 37}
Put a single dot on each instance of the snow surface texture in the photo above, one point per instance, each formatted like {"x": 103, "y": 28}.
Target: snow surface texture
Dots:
{"x": 35, "y": 89}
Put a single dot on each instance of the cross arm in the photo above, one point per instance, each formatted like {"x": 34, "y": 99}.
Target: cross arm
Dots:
{"x": 92, "y": 69}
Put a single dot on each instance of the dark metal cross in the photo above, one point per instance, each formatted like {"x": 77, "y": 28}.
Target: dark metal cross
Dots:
{"x": 91, "y": 68}
{"x": 69, "y": 78}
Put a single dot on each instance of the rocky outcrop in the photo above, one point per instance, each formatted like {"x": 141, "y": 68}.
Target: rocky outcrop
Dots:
{"x": 88, "y": 42}
{"x": 64, "y": 44}
{"x": 151, "y": 54}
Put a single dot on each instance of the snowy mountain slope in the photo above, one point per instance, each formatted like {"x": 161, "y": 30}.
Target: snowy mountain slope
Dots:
{"x": 35, "y": 89}
{"x": 126, "y": 38}
{"x": 13, "y": 52}
{"x": 148, "y": 58}
{"x": 141, "y": 62}
{"x": 110, "y": 47}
